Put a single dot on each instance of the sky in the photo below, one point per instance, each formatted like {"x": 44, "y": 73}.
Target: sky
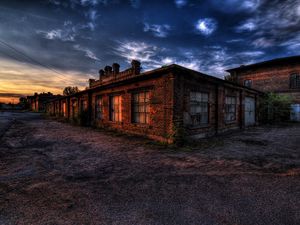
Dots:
{"x": 46, "y": 45}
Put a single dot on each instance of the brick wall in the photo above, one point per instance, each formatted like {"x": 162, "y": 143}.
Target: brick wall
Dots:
{"x": 274, "y": 78}
{"x": 161, "y": 113}
{"x": 217, "y": 92}
{"x": 169, "y": 93}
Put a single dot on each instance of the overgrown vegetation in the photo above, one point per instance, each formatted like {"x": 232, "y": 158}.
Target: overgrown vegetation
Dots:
{"x": 70, "y": 90}
{"x": 179, "y": 136}
{"x": 275, "y": 108}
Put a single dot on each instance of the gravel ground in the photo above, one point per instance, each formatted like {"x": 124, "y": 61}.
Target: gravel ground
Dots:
{"x": 55, "y": 173}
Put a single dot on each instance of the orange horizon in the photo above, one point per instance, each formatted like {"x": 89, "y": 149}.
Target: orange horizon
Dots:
{"x": 7, "y": 100}
{"x": 22, "y": 79}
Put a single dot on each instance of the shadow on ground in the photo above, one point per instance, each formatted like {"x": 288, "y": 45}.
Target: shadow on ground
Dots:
{"x": 55, "y": 173}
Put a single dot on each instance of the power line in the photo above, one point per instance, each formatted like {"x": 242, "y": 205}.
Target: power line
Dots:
{"x": 29, "y": 57}
{"x": 15, "y": 57}
{"x": 61, "y": 76}
{"x": 11, "y": 56}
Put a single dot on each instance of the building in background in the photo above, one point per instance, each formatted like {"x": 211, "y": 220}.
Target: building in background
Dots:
{"x": 37, "y": 102}
{"x": 164, "y": 104}
{"x": 280, "y": 76}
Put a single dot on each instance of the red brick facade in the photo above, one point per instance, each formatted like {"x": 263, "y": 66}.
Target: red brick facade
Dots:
{"x": 169, "y": 91}
{"x": 270, "y": 76}
{"x": 37, "y": 102}
{"x": 217, "y": 91}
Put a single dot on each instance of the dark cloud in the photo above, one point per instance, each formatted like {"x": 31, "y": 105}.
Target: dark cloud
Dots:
{"x": 211, "y": 35}
{"x": 11, "y": 95}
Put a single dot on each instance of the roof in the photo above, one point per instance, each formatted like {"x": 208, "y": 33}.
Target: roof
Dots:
{"x": 278, "y": 61}
{"x": 216, "y": 79}
{"x": 157, "y": 72}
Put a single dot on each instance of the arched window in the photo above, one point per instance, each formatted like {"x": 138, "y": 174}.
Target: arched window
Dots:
{"x": 295, "y": 80}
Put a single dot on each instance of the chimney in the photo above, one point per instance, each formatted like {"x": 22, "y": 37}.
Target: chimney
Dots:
{"x": 108, "y": 70}
{"x": 136, "y": 67}
{"x": 116, "y": 68}
{"x": 101, "y": 74}
{"x": 91, "y": 81}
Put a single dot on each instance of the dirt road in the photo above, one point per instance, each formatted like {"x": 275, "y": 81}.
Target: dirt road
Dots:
{"x": 55, "y": 173}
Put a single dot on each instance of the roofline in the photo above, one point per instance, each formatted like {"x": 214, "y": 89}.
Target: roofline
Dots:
{"x": 117, "y": 82}
{"x": 268, "y": 62}
{"x": 218, "y": 79}
{"x": 157, "y": 72}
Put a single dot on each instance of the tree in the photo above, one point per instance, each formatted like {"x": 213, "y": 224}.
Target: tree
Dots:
{"x": 23, "y": 102}
{"x": 70, "y": 90}
{"x": 275, "y": 108}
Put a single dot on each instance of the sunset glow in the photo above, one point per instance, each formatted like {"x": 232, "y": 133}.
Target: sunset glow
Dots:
{"x": 47, "y": 45}
{"x": 21, "y": 79}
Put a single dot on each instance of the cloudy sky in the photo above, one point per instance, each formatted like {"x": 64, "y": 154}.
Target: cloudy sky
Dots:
{"x": 46, "y": 45}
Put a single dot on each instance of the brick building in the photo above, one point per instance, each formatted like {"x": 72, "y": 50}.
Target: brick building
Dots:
{"x": 280, "y": 76}
{"x": 37, "y": 102}
{"x": 163, "y": 104}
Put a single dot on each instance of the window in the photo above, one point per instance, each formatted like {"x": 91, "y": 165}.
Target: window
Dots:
{"x": 115, "y": 108}
{"x": 99, "y": 107}
{"x": 64, "y": 109}
{"x": 57, "y": 108}
{"x": 141, "y": 107}
{"x": 83, "y": 105}
{"x": 248, "y": 83}
{"x": 199, "y": 108}
{"x": 230, "y": 109}
{"x": 74, "y": 104}
{"x": 294, "y": 81}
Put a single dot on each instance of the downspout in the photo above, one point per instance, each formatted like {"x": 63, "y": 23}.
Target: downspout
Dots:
{"x": 68, "y": 107}
{"x": 164, "y": 107}
{"x": 256, "y": 112}
{"x": 89, "y": 108}
{"x": 78, "y": 106}
{"x": 217, "y": 110}
{"x": 241, "y": 110}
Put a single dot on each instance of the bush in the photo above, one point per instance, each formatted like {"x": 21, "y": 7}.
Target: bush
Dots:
{"x": 179, "y": 135}
{"x": 275, "y": 108}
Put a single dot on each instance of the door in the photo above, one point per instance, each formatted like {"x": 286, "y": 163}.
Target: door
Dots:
{"x": 295, "y": 112}
{"x": 249, "y": 111}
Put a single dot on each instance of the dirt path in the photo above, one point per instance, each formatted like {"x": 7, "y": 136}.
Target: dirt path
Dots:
{"x": 55, "y": 173}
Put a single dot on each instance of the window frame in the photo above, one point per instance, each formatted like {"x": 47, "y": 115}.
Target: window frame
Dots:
{"x": 200, "y": 104}
{"x": 145, "y": 105}
{"x": 250, "y": 82}
{"x": 295, "y": 80}
{"x": 227, "y": 106}
{"x": 112, "y": 112}
{"x": 99, "y": 107}
{"x": 83, "y": 105}
{"x": 64, "y": 109}
{"x": 74, "y": 103}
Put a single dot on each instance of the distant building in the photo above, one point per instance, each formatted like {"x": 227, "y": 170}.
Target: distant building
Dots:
{"x": 37, "y": 102}
{"x": 280, "y": 76}
{"x": 164, "y": 104}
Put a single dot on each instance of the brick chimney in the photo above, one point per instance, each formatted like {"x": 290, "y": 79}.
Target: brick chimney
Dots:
{"x": 91, "y": 81}
{"x": 101, "y": 74}
{"x": 136, "y": 67}
{"x": 108, "y": 70}
{"x": 116, "y": 68}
